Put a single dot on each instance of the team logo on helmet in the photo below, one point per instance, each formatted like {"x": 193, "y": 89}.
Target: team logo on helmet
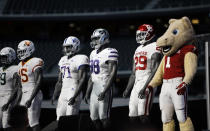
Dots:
{"x": 25, "y": 49}
{"x": 99, "y": 38}
{"x": 71, "y": 45}
{"x": 144, "y": 33}
{"x": 7, "y": 55}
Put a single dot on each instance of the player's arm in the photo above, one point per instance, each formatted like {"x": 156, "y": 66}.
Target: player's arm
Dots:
{"x": 190, "y": 68}
{"x": 15, "y": 85}
{"x": 89, "y": 89}
{"x": 112, "y": 68}
{"x": 38, "y": 78}
{"x": 131, "y": 82}
{"x": 155, "y": 61}
{"x": 82, "y": 77}
{"x": 158, "y": 77}
{"x": 58, "y": 87}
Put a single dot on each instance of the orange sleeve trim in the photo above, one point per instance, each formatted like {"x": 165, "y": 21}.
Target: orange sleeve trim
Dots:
{"x": 39, "y": 65}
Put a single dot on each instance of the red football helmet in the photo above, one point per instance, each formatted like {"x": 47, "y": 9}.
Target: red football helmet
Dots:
{"x": 144, "y": 33}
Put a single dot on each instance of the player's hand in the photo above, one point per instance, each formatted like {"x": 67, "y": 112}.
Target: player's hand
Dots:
{"x": 125, "y": 94}
{"x": 101, "y": 96}
{"x": 144, "y": 92}
{"x": 86, "y": 98}
{"x": 5, "y": 107}
{"x": 182, "y": 88}
{"x": 52, "y": 100}
{"x": 28, "y": 103}
{"x": 71, "y": 101}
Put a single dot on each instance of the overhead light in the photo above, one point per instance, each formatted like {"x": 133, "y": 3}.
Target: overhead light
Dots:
{"x": 132, "y": 27}
{"x": 158, "y": 20}
{"x": 195, "y": 21}
{"x": 71, "y": 25}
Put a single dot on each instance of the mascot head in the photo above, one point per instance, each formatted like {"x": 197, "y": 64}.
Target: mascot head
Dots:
{"x": 179, "y": 33}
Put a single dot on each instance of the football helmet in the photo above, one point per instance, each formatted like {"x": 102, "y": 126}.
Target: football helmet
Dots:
{"x": 7, "y": 55}
{"x": 99, "y": 38}
{"x": 144, "y": 33}
{"x": 25, "y": 49}
{"x": 71, "y": 45}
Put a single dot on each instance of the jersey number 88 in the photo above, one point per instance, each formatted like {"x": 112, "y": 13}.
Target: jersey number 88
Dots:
{"x": 94, "y": 66}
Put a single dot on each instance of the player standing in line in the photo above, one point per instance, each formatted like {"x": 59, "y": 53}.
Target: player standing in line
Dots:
{"x": 103, "y": 65}
{"x": 30, "y": 71}
{"x": 73, "y": 72}
{"x": 8, "y": 83}
{"x": 147, "y": 58}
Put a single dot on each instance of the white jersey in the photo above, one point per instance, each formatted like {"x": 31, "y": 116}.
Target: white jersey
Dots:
{"x": 6, "y": 78}
{"x": 70, "y": 68}
{"x": 142, "y": 58}
{"x": 26, "y": 72}
{"x": 98, "y": 63}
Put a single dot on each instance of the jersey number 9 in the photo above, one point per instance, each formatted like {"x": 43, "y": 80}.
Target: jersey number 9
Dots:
{"x": 3, "y": 78}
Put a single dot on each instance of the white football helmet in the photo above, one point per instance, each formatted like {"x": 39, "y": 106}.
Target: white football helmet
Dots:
{"x": 25, "y": 49}
{"x": 144, "y": 33}
{"x": 99, "y": 38}
{"x": 71, "y": 45}
{"x": 7, "y": 55}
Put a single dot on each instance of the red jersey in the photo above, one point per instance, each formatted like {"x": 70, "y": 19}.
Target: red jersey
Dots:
{"x": 174, "y": 65}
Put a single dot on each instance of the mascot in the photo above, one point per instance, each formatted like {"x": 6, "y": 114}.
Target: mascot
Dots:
{"x": 175, "y": 73}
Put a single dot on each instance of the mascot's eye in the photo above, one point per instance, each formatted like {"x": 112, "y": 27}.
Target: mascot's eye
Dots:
{"x": 175, "y": 31}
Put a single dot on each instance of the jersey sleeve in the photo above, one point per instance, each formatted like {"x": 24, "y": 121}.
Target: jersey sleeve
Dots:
{"x": 38, "y": 63}
{"x": 60, "y": 62}
{"x": 82, "y": 60}
{"x": 190, "y": 48}
{"x": 157, "y": 49}
{"x": 112, "y": 54}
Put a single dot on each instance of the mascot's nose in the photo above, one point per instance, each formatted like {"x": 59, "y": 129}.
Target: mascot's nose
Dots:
{"x": 166, "y": 39}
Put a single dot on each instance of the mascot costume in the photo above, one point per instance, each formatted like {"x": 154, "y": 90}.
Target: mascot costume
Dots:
{"x": 175, "y": 73}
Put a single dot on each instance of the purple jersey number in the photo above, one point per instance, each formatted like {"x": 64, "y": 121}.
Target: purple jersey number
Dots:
{"x": 65, "y": 69}
{"x": 94, "y": 66}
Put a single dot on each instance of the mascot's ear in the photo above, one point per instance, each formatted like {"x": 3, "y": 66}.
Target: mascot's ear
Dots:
{"x": 186, "y": 22}
{"x": 171, "y": 21}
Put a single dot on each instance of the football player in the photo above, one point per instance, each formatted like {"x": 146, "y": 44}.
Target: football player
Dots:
{"x": 146, "y": 61}
{"x": 30, "y": 71}
{"x": 103, "y": 65}
{"x": 73, "y": 71}
{"x": 8, "y": 83}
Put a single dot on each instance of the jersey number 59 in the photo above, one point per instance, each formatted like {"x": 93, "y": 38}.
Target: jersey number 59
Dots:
{"x": 141, "y": 62}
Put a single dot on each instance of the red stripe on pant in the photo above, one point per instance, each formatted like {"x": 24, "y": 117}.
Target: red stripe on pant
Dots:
{"x": 185, "y": 102}
{"x": 148, "y": 103}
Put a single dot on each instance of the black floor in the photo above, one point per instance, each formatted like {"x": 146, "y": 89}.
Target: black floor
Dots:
{"x": 196, "y": 110}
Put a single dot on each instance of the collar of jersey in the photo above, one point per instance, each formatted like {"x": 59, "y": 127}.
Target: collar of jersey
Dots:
{"x": 23, "y": 63}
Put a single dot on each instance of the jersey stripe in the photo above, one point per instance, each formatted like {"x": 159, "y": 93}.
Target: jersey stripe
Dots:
{"x": 39, "y": 65}
{"x": 115, "y": 52}
{"x": 82, "y": 65}
{"x": 113, "y": 56}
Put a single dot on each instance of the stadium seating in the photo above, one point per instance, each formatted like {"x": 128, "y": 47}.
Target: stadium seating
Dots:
{"x": 70, "y": 6}
{"x": 84, "y": 6}
{"x": 180, "y": 3}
